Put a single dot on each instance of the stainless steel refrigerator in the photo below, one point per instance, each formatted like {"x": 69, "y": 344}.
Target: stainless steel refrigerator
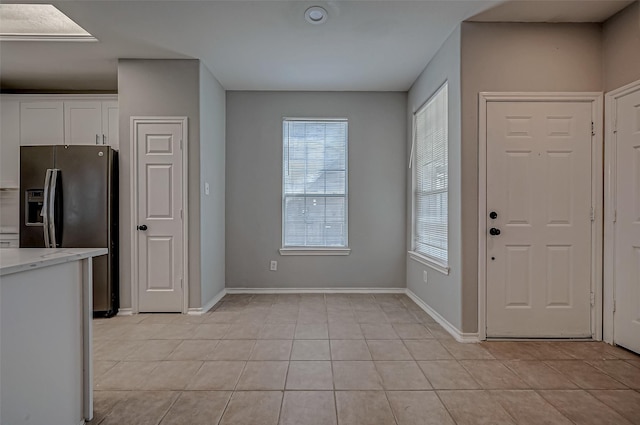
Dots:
{"x": 69, "y": 199}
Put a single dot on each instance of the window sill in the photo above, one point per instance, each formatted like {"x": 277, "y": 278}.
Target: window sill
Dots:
{"x": 429, "y": 262}
{"x": 315, "y": 251}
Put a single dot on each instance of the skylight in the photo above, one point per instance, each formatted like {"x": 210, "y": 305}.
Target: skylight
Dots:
{"x": 38, "y": 22}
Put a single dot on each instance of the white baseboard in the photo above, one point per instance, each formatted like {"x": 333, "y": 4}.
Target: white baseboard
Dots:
{"x": 125, "y": 312}
{"x": 455, "y": 332}
{"x": 197, "y": 311}
{"x": 315, "y": 290}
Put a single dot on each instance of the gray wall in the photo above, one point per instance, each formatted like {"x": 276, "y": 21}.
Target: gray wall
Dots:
{"x": 621, "y": 48}
{"x": 159, "y": 88}
{"x": 212, "y": 171}
{"x": 377, "y": 164}
{"x": 441, "y": 292}
{"x": 513, "y": 57}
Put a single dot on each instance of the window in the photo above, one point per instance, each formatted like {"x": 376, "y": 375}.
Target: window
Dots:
{"x": 314, "y": 193}
{"x": 431, "y": 182}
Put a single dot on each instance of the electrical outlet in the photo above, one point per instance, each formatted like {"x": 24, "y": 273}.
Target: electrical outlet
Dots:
{"x": 273, "y": 266}
{"x": 424, "y": 276}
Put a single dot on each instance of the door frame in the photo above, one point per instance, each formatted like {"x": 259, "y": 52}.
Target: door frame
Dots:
{"x": 610, "y": 126}
{"x": 134, "y": 122}
{"x": 595, "y": 98}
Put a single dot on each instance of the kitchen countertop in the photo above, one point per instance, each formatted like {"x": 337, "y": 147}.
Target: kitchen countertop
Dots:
{"x": 15, "y": 260}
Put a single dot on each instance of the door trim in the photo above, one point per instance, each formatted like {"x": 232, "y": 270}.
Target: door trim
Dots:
{"x": 610, "y": 126}
{"x": 595, "y": 98}
{"x": 134, "y": 122}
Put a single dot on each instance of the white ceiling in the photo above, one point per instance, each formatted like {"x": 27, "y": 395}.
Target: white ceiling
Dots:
{"x": 365, "y": 45}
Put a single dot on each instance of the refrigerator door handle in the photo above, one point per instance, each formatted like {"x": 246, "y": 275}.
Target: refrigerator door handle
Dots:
{"x": 45, "y": 208}
{"x": 52, "y": 208}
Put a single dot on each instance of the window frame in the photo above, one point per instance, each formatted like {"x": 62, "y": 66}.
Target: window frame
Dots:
{"x": 311, "y": 249}
{"x": 432, "y": 262}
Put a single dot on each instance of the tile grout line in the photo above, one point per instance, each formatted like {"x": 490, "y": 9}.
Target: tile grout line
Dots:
{"x": 333, "y": 381}
{"x": 286, "y": 377}
{"x": 445, "y": 406}
{"x": 169, "y": 408}
{"x": 554, "y": 407}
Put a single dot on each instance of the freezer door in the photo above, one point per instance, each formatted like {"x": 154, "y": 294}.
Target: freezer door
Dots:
{"x": 34, "y": 162}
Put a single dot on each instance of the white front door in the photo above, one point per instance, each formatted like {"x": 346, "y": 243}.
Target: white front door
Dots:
{"x": 627, "y": 223}
{"x": 159, "y": 226}
{"x": 539, "y": 191}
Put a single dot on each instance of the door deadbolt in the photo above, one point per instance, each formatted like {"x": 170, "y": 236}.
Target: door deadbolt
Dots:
{"x": 493, "y": 215}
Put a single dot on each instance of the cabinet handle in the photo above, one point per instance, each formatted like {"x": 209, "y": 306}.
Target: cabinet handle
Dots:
{"x": 104, "y": 139}
{"x": 97, "y": 137}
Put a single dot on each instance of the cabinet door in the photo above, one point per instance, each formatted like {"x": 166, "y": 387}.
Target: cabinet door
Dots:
{"x": 41, "y": 123}
{"x": 9, "y": 143}
{"x": 83, "y": 122}
{"x": 110, "y": 123}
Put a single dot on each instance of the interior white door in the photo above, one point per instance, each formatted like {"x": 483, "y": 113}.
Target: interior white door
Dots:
{"x": 539, "y": 187}
{"x": 159, "y": 226}
{"x": 627, "y": 224}
{"x": 83, "y": 122}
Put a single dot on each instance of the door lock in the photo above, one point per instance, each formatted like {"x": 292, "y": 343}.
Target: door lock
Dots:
{"x": 494, "y": 232}
{"x": 142, "y": 227}
{"x": 493, "y": 215}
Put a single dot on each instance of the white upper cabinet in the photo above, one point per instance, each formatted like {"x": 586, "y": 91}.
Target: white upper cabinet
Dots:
{"x": 64, "y": 120}
{"x": 83, "y": 123}
{"x": 41, "y": 122}
{"x": 110, "y": 123}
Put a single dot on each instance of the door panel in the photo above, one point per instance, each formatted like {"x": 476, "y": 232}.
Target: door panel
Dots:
{"x": 627, "y": 225}
{"x": 110, "y": 119}
{"x": 41, "y": 123}
{"x": 160, "y": 246}
{"x": 83, "y": 122}
{"x": 539, "y": 184}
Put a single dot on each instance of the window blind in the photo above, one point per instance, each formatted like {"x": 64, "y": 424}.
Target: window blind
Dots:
{"x": 314, "y": 180}
{"x": 431, "y": 178}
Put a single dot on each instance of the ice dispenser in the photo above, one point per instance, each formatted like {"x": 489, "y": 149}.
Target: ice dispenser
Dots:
{"x": 34, "y": 200}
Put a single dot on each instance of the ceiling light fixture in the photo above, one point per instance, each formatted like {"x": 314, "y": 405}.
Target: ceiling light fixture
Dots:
{"x": 315, "y": 15}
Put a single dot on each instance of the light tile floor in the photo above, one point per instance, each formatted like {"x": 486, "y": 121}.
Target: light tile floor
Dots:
{"x": 347, "y": 360}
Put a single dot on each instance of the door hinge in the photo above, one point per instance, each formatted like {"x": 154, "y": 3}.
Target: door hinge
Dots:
{"x": 181, "y": 283}
{"x": 593, "y": 299}
{"x": 180, "y": 144}
{"x": 614, "y": 306}
{"x": 181, "y": 215}
{"x": 593, "y": 214}
{"x": 593, "y": 131}
{"x": 615, "y": 215}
